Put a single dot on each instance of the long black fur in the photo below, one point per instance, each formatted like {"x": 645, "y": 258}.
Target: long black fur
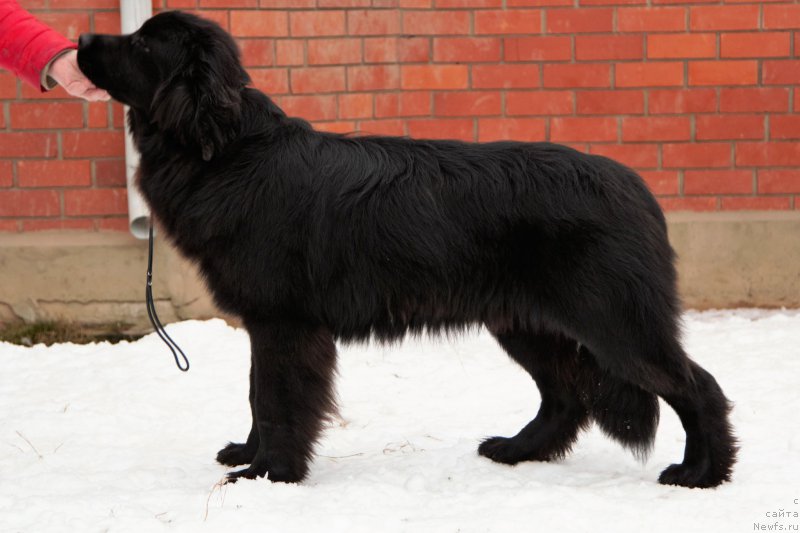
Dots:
{"x": 314, "y": 237}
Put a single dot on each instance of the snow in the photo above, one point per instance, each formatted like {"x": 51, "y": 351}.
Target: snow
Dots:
{"x": 114, "y": 438}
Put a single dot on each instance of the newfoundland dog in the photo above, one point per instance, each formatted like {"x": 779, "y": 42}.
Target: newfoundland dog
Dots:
{"x": 314, "y": 237}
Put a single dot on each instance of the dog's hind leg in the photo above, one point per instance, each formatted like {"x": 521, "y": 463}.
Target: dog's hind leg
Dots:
{"x": 553, "y": 362}
{"x": 235, "y": 454}
{"x": 648, "y": 353}
{"x": 294, "y": 366}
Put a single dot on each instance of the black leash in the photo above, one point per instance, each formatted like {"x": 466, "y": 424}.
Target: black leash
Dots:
{"x": 151, "y": 311}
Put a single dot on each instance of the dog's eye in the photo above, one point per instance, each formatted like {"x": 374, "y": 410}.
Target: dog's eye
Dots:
{"x": 140, "y": 44}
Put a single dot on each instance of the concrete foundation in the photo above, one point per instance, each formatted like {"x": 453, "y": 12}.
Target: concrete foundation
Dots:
{"x": 725, "y": 260}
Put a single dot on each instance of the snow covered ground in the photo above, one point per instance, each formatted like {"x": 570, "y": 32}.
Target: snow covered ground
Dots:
{"x": 115, "y": 438}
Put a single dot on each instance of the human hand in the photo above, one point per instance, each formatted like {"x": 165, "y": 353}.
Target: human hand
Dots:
{"x": 67, "y": 74}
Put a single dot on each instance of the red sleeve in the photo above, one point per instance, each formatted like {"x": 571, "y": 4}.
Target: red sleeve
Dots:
{"x": 27, "y": 45}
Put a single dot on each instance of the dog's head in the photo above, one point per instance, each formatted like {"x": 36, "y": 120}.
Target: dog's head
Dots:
{"x": 180, "y": 71}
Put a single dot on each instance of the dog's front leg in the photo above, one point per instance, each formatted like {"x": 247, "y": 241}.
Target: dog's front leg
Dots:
{"x": 293, "y": 370}
{"x": 235, "y": 454}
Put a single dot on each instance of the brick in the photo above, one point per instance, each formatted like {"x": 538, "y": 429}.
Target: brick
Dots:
{"x": 49, "y": 173}
{"x": 784, "y": 127}
{"x": 591, "y": 47}
{"x": 32, "y": 93}
{"x": 755, "y": 44}
{"x": 434, "y": 77}
{"x": 708, "y": 203}
{"x": 318, "y": 107}
{"x": 547, "y": 48}
{"x": 416, "y": 3}
{"x": 538, "y": 3}
{"x": 610, "y": 102}
{"x": 316, "y": 23}
{"x": 334, "y": 51}
{"x": 289, "y": 52}
{"x": 515, "y": 129}
{"x": 753, "y": 203}
{"x": 355, "y": 106}
{"x": 68, "y": 24}
{"x": 748, "y": 100}
{"x": 469, "y": 3}
{"x": 583, "y": 129}
{"x": 84, "y": 4}
{"x": 651, "y": 19}
{"x": 109, "y": 172}
{"x": 373, "y": 22}
{"x": 111, "y": 223}
{"x": 404, "y": 104}
{"x": 505, "y": 76}
{"x": 117, "y": 115}
{"x": 778, "y": 181}
{"x": 579, "y": 75}
{"x": 781, "y": 72}
{"x": 215, "y": 15}
{"x": 456, "y": 128}
{"x": 508, "y": 22}
{"x": 372, "y": 78}
{"x": 98, "y": 115}
{"x": 662, "y": 181}
{"x": 257, "y": 52}
{"x": 296, "y": 4}
{"x": 29, "y": 203}
{"x": 107, "y": 22}
{"x": 93, "y": 143}
{"x": 402, "y": 49}
{"x": 436, "y": 22}
{"x": 345, "y": 127}
{"x": 6, "y": 174}
{"x": 460, "y": 104}
{"x": 250, "y": 23}
{"x": 270, "y": 80}
{"x": 318, "y": 80}
{"x": 699, "y": 155}
{"x": 181, "y": 4}
{"x": 655, "y": 74}
{"x": 8, "y": 85}
{"x": 51, "y": 115}
{"x": 725, "y": 17}
{"x": 580, "y": 20}
{"x": 228, "y": 4}
{"x": 782, "y": 17}
{"x": 57, "y": 224}
{"x": 717, "y": 182}
{"x": 768, "y": 154}
{"x": 723, "y": 72}
{"x": 28, "y": 144}
{"x": 539, "y": 103}
{"x": 9, "y": 226}
{"x": 382, "y": 127}
{"x": 611, "y": 2}
{"x": 343, "y": 3}
{"x": 690, "y": 45}
{"x": 466, "y": 49}
{"x": 632, "y": 155}
{"x": 716, "y": 127}
{"x": 95, "y": 202}
{"x": 637, "y": 129}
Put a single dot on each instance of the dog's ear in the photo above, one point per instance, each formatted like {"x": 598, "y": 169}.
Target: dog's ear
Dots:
{"x": 201, "y": 106}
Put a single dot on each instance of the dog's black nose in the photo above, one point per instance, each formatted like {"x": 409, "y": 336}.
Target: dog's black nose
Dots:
{"x": 85, "y": 39}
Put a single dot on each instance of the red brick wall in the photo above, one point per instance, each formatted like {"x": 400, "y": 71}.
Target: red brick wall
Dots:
{"x": 697, "y": 95}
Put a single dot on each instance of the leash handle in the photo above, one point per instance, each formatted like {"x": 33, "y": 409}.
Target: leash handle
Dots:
{"x": 151, "y": 312}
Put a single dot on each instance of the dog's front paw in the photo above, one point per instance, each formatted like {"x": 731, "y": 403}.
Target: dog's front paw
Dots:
{"x": 692, "y": 476}
{"x": 236, "y": 454}
{"x": 261, "y": 469}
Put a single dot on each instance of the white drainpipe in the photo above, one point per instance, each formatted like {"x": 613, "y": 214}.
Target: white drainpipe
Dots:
{"x": 133, "y": 13}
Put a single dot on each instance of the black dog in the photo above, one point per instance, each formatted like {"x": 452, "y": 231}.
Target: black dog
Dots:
{"x": 312, "y": 237}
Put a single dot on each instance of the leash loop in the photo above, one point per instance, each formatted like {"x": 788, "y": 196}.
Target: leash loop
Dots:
{"x": 151, "y": 312}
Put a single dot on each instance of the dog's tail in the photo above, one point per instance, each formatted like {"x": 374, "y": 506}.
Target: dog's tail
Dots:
{"x": 624, "y": 411}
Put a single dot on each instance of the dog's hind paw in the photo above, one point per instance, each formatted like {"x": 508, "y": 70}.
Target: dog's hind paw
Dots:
{"x": 235, "y": 454}
{"x": 691, "y": 476}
